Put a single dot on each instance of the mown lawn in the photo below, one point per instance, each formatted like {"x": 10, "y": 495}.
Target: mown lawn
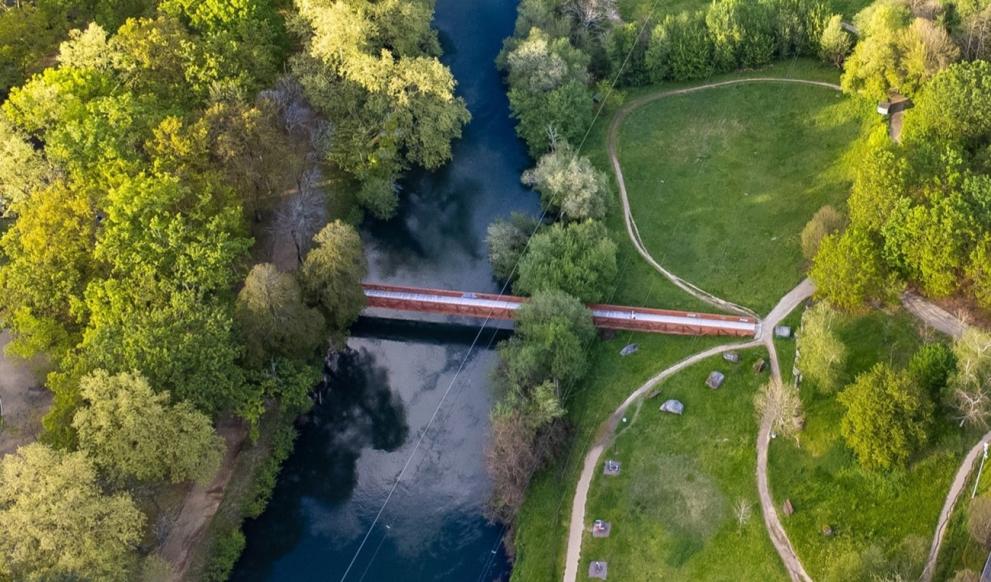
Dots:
{"x": 886, "y": 510}
{"x": 673, "y": 508}
{"x": 541, "y": 536}
{"x": 722, "y": 181}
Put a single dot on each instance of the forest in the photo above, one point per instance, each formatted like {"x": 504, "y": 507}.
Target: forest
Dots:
{"x": 143, "y": 151}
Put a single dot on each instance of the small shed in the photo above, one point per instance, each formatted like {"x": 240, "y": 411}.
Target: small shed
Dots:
{"x": 715, "y": 379}
{"x": 733, "y": 357}
{"x": 598, "y": 569}
{"x": 673, "y": 407}
{"x": 601, "y": 529}
{"x": 760, "y": 365}
{"x": 782, "y": 331}
{"x": 629, "y": 349}
{"x": 611, "y": 468}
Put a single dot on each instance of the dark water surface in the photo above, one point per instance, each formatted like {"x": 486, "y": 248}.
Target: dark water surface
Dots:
{"x": 386, "y": 387}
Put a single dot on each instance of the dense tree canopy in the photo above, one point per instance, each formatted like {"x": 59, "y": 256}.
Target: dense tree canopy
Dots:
{"x": 569, "y": 185}
{"x": 372, "y": 67}
{"x": 332, "y": 274}
{"x": 578, "y": 258}
{"x": 129, "y": 431}
{"x": 887, "y": 417}
{"x": 273, "y": 319}
{"x": 56, "y": 523}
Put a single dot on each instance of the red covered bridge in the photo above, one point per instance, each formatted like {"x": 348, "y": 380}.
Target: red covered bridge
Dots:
{"x": 486, "y": 305}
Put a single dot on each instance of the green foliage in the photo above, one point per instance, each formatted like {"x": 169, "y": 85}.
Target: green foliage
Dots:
{"x": 56, "y": 523}
{"x": 549, "y": 94}
{"x": 887, "y": 417}
{"x": 742, "y": 32}
{"x": 27, "y": 34}
{"x": 848, "y": 270}
{"x": 131, "y": 432}
{"x": 570, "y": 185}
{"x": 896, "y": 52}
{"x": 273, "y": 319}
{"x": 823, "y": 355}
{"x": 681, "y": 48}
{"x": 552, "y": 331}
{"x": 929, "y": 244}
{"x": 224, "y": 554}
{"x": 827, "y": 220}
{"x": 626, "y": 51}
{"x": 267, "y": 475}
{"x": 332, "y": 273}
{"x": 954, "y": 106}
{"x": 371, "y": 67}
{"x": 578, "y": 258}
{"x": 507, "y": 239}
{"x": 931, "y": 368}
{"x": 835, "y": 42}
{"x": 979, "y": 271}
{"x": 22, "y": 169}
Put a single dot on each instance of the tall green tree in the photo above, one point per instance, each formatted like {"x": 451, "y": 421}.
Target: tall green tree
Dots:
{"x": 332, "y": 274}
{"x": 849, "y": 270}
{"x": 578, "y": 258}
{"x": 887, "y": 417}
{"x": 131, "y": 432}
{"x": 507, "y": 240}
{"x": 569, "y": 184}
{"x": 56, "y": 523}
{"x": 273, "y": 319}
{"x": 553, "y": 330}
{"x": 823, "y": 354}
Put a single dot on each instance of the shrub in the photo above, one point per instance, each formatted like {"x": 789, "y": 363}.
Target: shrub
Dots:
{"x": 224, "y": 554}
{"x": 827, "y": 220}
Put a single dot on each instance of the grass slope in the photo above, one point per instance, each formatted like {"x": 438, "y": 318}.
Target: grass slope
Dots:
{"x": 721, "y": 182}
{"x": 672, "y": 508}
{"x": 541, "y": 535}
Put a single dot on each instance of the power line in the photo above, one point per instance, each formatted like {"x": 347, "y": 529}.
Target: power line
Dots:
{"x": 502, "y": 291}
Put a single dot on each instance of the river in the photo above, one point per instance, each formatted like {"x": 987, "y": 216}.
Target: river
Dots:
{"x": 386, "y": 387}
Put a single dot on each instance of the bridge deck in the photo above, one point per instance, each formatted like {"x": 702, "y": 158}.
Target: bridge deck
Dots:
{"x": 484, "y": 305}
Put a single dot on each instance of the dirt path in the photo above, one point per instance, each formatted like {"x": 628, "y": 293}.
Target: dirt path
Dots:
{"x": 201, "y": 505}
{"x": 956, "y": 488}
{"x": 604, "y": 437}
{"x": 934, "y": 316}
{"x": 23, "y": 400}
{"x": 631, "y": 226}
{"x": 606, "y": 433}
{"x": 943, "y": 321}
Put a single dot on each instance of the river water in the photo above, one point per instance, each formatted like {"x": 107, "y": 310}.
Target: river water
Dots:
{"x": 386, "y": 388}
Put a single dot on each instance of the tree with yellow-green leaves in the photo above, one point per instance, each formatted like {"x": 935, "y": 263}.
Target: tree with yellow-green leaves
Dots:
{"x": 332, "y": 274}
{"x": 131, "y": 432}
{"x": 56, "y": 523}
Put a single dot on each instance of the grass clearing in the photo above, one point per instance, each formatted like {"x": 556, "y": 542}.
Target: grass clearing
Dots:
{"x": 541, "y": 535}
{"x": 827, "y": 487}
{"x": 673, "y": 507}
{"x": 722, "y": 181}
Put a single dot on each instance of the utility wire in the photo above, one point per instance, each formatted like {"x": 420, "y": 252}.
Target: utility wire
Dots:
{"x": 502, "y": 291}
